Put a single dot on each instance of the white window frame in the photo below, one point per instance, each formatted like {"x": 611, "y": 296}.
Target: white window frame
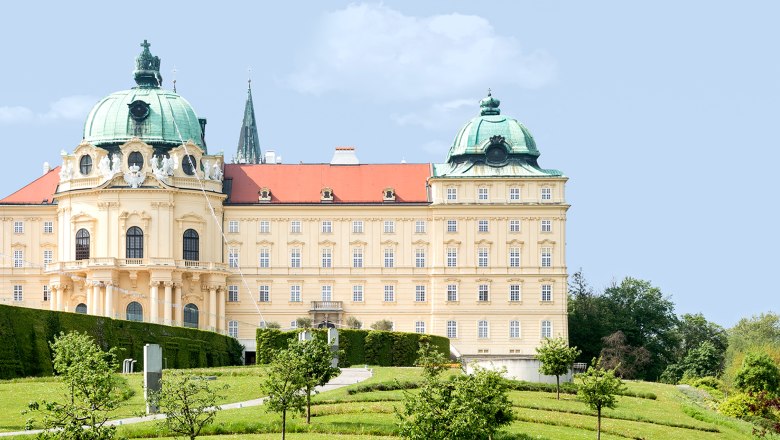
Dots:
{"x": 514, "y": 329}
{"x": 295, "y": 293}
{"x": 295, "y": 226}
{"x": 483, "y": 257}
{"x": 389, "y": 257}
{"x": 515, "y": 293}
{"x": 357, "y": 257}
{"x": 483, "y": 225}
{"x": 452, "y": 292}
{"x": 546, "y": 226}
{"x": 546, "y": 193}
{"x": 233, "y": 226}
{"x": 546, "y": 329}
{"x": 389, "y": 227}
{"x": 483, "y": 329}
{"x": 483, "y": 194}
{"x": 419, "y": 227}
{"x": 46, "y": 292}
{"x": 419, "y": 326}
{"x": 514, "y": 257}
{"x": 326, "y": 292}
{"x": 233, "y": 329}
{"x": 265, "y": 227}
{"x": 18, "y": 293}
{"x": 452, "y": 194}
{"x": 452, "y": 226}
{"x": 357, "y": 226}
{"x": 420, "y": 293}
{"x": 546, "y": 293}
{"x": 483, "y": 293}
{"x": 233, "y": 257}
{"x": 357, "y": 293}
{"x": 48, "y": 256}
{"x": 18, "y": 258}
{"x": 419, "y": 257}
{"x": 232, "y": 295}
{"x": 294, "y": 324}
{"x": 295, "y": 257}
{"x": 514, "y": 225}
{"x": 546, "y": 257}
{"x": 452, "y": 329}
{"x": 452, "y": 257}
{"x": 389, "y": 293}
{"x": 48, "y": 227}
{"x": 264, "y": 293}
{"x": 18, "y": 227}
{"x": 326, "y": 226}
{"x": 264, "y": 258}
{"x": 327, "y": 257}
{"x": 514, "y": 194}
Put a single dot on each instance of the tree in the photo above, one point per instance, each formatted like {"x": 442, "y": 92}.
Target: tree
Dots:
{"x": 626, "y": 360}
{"x": 704, "y": 360}
{"x": 597, "y": 389}
{"x": 272, "y": 324}
{"x": 316, "y": 356}
{"x": 303, "y": 322}
{"x": 283, "y": 384}
{"x": 587, "y": 317}
{"x": 383, "y": 324}
{"x": 557, "y": 358}
{"x": 189, "y": 403}
{"x": 694, "y": 330}
{"x": 93, "y": 391}
{"x": 758, "y": 373}
{"x": 354, "y": 323}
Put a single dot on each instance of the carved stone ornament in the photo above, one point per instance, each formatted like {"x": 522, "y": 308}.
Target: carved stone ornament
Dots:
{"x": 66, "y": 172}
{"x": 134, "y": 176}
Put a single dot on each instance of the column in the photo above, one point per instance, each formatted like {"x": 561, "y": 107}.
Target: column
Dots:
{"x": 154, "y": 308}
{"x": 167, "y": 303}
{"x": 179, "y": 306}
{"x": 221, "y": 311}
{"x": 54, "y": 297}
{"x": 212, "y": 308}
{"x": 96, "y": 300}
{"x": 88, "y": 294}
{"x": 109, "y": 300}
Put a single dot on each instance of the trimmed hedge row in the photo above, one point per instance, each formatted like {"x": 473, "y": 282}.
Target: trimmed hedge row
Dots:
{"x": 26, "y": 333}
{"x": 372, "y": 347}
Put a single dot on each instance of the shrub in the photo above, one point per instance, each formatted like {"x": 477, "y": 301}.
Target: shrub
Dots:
{"x": 739, "y": 406}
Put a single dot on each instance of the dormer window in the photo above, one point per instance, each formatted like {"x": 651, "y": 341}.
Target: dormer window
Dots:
{"x": 326, "y": 195}
{"x": 388, "y": 195}
{"x": 264, "y": 195}
{"x": 85, "y": 164}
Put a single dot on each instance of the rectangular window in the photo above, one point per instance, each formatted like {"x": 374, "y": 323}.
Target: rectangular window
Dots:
{"x": 452, "y": 292}
{"x": 482, "y": 329}
{"x": 18, "y": 227}
{"x": 452, "y": 194}
{"x": 357, "y": 227}
{"x": 389, "y": 257}
{"x": 546, "y": 257}
{"x": 264, "y": 293}
{"x": 265, "y": 226}
{"x": 48, "y": 256}
{"x": 389, "y": 293}
{"x": 483, "y": 293}
{"x": 482, "y": 257}
{"x": 233, "y": 329}
{"x": 295, "y": 257}
{"x": 357, "y": 257}
{"x": 327, "y": 293}
{"x": 452, "y": 329}
{"x": 546, "y": 193}
{"x": 233, "y": 257}
{"x": 295, "y": 293}
{"x": 514, "y": 194}
{"x": 419, "y": 293}
{"x": 295, "y": 226}
{"x": 514, "y": 292}
{"x": 514, "y": 257}
{"x": 46, "y": 293}
{"x": 327, "y": 258}
{"x": 482, "y": 226}
{"x": 48, "y": 227}
{"x": 419, "y": 326}
{"x": 232, "y": 293}
{"x": 546, "y": 329}
{"x": 327, "y": 226}
{"x": 452, "y": 226}
{"x": 18, "y": 258}
{"x": 452, "y": 257}
{"x": 514, "y": 225}
{"x": 514, "y": 329}
{"x": 419, "y": 257}
{"x": 419, "y": 227}
{"x": 357, "y": 293}
{"x": 233, "y": 226}
{"x": 546, "y": 292}
{"x": 482, "y": 194}
{"x": 265, "y": 257}
{"x": 546, "y": 226}
{"x": 293, "y": 324}
{"x": 389, "y": 226}
{"x": 18, "y": 293}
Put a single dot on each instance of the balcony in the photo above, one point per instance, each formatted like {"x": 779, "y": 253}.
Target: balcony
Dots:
{"x": 326, "y": 306}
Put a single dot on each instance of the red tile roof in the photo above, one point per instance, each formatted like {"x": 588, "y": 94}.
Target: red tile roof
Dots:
{"x": 350, "y": 183}
{"x": 40, "y": 190}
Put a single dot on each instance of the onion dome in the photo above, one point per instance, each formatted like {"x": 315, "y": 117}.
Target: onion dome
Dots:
{"x": 158, "y": 117}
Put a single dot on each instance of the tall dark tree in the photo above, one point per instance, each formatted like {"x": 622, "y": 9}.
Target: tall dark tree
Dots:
{"x": 587, "y": 312}
{"x": 693, "y": 330}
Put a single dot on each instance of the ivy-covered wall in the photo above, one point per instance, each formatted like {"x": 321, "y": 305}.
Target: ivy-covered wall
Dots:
{"x": 25, "y": 335}
{"x": 372, "y": 347}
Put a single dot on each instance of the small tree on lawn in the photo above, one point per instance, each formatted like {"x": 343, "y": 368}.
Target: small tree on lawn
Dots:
{"x": 283, "y": 385}
{"x": 189, "y": 403}
{"x": 383, "y": 324}
{"x": 598, "y": 388}
{"x": 557, "y": 358}
{"x": 316, "y": 356}
{"x": 93, "y": 391}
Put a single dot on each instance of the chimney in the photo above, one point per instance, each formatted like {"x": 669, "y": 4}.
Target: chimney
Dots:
{"x": 46, "y": 167}
{"x": 344, "y": 156}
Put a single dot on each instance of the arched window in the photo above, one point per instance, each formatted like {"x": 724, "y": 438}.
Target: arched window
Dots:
{"x": 137, "y": 159}
{"x": 85, "y": 164}
{"x": 191, "y": 316}
{"x": 189, "y": 164}
{"x": 81, "y": 308}
{"x": 191, "y": 245}
{"x": 82, "y": 244}
{"x": 135, "y": 312}
{"x": 135, "y": 243}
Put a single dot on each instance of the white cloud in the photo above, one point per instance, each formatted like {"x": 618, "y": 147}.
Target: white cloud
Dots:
{"x": 68, "y": 108}
{"x": 373, "y": 50}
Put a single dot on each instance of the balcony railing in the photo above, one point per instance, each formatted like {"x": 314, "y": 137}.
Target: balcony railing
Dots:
{"x": 326, "y": 306}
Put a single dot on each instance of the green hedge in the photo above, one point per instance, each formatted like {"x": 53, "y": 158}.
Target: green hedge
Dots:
{"x": 372, "y": 347}
{"x": 26, "y": 333}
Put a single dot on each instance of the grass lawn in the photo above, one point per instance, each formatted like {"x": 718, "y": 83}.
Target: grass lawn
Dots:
{"x": 371, "y": 415}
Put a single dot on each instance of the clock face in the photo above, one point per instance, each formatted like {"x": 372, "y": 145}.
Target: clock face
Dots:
{"x": 496, "y": 154}
{"x": 139, "y": 110}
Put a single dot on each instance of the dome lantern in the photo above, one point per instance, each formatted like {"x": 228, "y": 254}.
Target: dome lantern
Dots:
{"x": 147, "y": 68}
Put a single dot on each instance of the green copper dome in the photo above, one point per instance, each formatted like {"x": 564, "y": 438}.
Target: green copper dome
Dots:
{"x": 158, "y": 117}
{"x": 491, "y": 129}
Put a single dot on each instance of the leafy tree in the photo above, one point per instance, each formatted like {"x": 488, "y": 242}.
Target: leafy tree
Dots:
{"x": 557, "y": 358}
{"x": 587, "y": 316}
{"x": 189, "y": 403}
{"x": 353, "y": 322}
{"x": 621, "y": 357}
{"x": 704, "y": 360}
{"x": 694, "y": 330}
{"x": 383, "y": 324}
{"x": 303, "y": 322}
{"x": 93, "y": 391}
{"x": 597, "y": 389}
{"x": 272, "y": 324}
{"x": 758, "y": 373}
{"x": 759, "y": 333}
{"x": 432, "y": 361}
{"x": 316, "y": 356}
{"x": 283, "y": 384}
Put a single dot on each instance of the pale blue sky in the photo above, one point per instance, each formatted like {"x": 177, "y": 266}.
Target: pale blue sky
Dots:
{"x": 661, "y": 113}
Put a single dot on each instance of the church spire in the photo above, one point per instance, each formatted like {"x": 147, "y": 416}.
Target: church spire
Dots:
{"x": 248, "y": 141}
